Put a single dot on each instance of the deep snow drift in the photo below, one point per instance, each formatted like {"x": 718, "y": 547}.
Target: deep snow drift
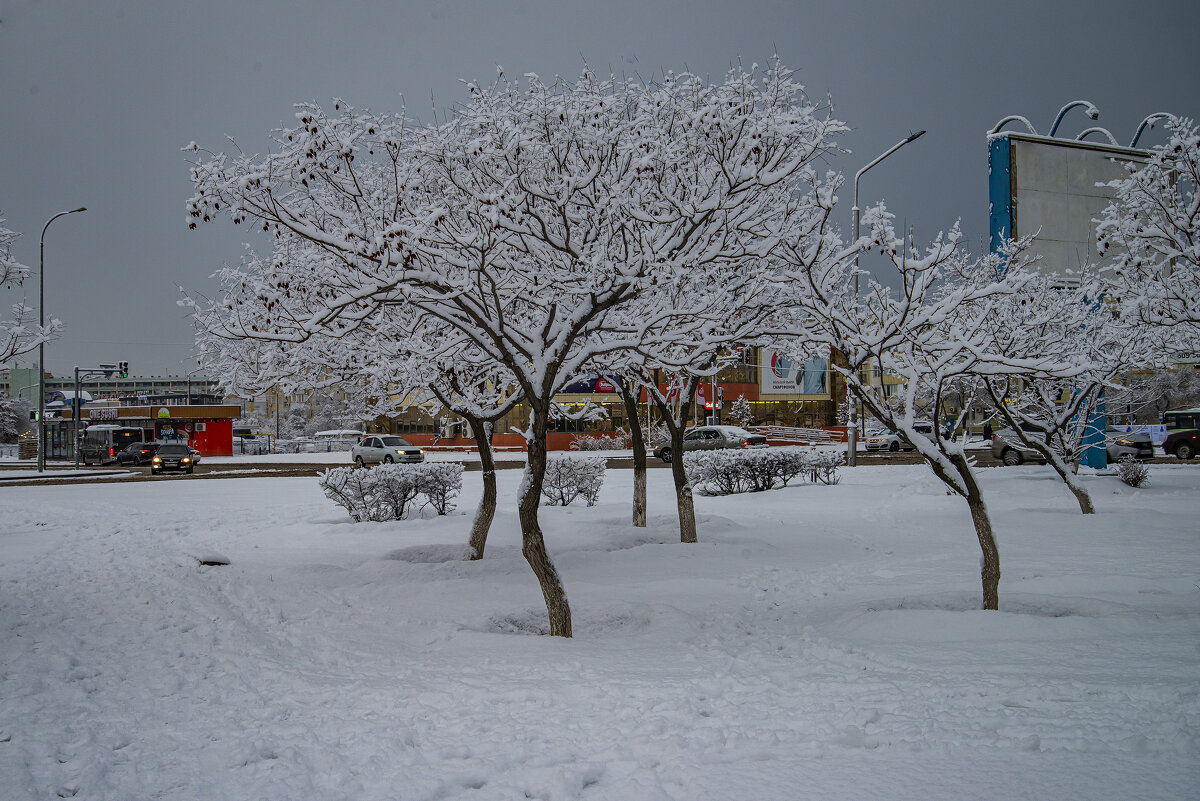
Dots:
{"x": 819, "y": 642}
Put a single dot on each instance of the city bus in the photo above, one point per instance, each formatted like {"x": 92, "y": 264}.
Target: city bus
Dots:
{"x": 1183, "y": 433}
{"x": 102, "y": 442}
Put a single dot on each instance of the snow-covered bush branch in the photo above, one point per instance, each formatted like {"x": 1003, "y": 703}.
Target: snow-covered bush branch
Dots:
{"x": 1133, "y": 472}
{"x": 440, "y": 483}
{"x": 569, "y": 477}
{"x": 728, "y": 472}
{"x": 601, "y": 442}
{"x": 387, "y": 491}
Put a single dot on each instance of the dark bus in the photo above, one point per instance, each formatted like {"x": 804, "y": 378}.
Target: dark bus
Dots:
{"x": 102, "y": 442}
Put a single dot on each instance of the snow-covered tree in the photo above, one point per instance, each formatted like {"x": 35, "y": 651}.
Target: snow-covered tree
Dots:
{"x": 328, "y": 413}
{"x": 1154, "y": 392}
{"x": 14, "y": 418}
{"x": 394, "y": 359}
{"x": 1151, "y": 232}
{"x": 525, "y": 221}
{"x": 294, "y": 423}
{"x": 20, "y": 334}
{"x": 1075, "y": 348}
{"x": 741, "y": 411}
{"x": 931, "y": 331}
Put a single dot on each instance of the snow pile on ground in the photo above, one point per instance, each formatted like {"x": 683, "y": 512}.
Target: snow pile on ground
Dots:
{"x": 819, "y": 642}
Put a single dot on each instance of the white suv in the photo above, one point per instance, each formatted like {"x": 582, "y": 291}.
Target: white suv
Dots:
{"x": 385, "y": 449}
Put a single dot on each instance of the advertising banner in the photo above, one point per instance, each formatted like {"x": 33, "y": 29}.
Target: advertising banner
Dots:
{"x": 596, "y": 383}
{"x": 779, "y": 375}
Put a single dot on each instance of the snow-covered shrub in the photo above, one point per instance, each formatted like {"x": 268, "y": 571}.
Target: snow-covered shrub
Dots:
{"x": 759, "y": 469}
{"x": 387, "y": 491}
{"x": 787, "y": 463}
{"x": 718, "y": 472}
{"x": 440, "y": 483}
{"x": 824, "y": 465}
{"x": 619, "y": 440}
{"x": 727, "y": 472}
{"x": 1132, "y": 472}
{"x": 349, "y": 489}
{"x": 394, "y": 486}
{"x": 568, "y": 477}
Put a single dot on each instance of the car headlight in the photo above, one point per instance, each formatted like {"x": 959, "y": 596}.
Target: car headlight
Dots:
{"x": 157, "y": 460}
{"x": 185, "y": 459}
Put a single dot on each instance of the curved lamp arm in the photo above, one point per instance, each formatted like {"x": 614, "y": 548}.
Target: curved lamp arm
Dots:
{"x": 1084, "y": 134}
{"x": 1013, "y": 118}
{"x": 1092, "y": 112}
{"x": 1149, "y": 123}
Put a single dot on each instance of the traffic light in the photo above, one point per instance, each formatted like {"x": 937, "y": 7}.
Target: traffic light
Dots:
{"x": 123, "y": 369}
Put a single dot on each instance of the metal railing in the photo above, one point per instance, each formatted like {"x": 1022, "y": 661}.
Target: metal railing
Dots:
{"x": 800, "y": 436}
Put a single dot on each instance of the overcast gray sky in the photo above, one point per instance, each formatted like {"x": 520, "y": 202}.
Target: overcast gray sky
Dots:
{"x": 98, "y": 98}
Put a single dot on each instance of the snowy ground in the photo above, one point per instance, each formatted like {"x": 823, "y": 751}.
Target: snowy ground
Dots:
{"x": 819, "y": 642}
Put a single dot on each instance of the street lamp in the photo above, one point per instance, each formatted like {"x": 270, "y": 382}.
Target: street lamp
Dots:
{"x": 852, "y": 439}
{"x": 189, "y": 383}
{"x": 41, "y": 465}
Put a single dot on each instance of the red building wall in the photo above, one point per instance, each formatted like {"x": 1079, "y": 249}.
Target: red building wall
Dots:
{"x": 216, "y": 439}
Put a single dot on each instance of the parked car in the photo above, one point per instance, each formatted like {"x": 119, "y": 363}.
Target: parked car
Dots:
{"x": 195, "y": 455}
{"x": 709, "y": 438}
{"x": 172, "y": 456}
{"x": 1183, "y": 433}
{"x": 1128, "y": 443}
{"x": 385, "y": 449}
{"x": 888, "y": 440}
{"x": 1008, "y": 448}
{"x": 137, "y": 453}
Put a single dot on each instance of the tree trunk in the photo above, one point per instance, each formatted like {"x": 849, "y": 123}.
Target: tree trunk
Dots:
{"x": 683, "y": 490}
{"x": 989, "y": 570}
{"x": 1069, "y": 478}
{"x": 486, "y": 511}
{"x": 637, "y": 437}
{"x": 969, "y": 489}
{"x": 533, "y": 545}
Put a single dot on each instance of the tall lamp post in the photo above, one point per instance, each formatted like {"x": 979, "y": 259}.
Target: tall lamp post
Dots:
{"x": 852, "y": 439}
{"x": 189, "y": 383}
{"x": 41, "y": 464}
